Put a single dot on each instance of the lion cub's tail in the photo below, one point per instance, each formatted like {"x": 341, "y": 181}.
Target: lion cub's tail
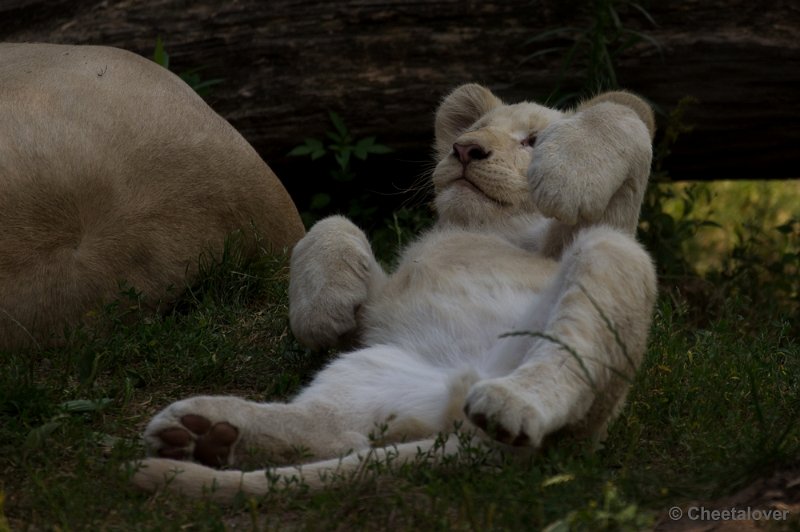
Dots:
{"x": 195, "y": 480}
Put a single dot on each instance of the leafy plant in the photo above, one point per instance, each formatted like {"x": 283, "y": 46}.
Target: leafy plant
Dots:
{"x": 342, "y": 146}
{"x": 595, "y": 49}
{"x": 338, "y": 152}
{"x": 38, "y": 436}
{"x": 670, "y": 215}
{"x": 191, "y": 77}
{"x": 762, "y": 270}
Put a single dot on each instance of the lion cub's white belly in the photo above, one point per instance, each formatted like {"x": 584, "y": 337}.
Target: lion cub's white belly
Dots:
{"x": 454, "y": 293}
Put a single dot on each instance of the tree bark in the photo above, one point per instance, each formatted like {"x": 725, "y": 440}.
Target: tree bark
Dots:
{"x": 385, "y": 65}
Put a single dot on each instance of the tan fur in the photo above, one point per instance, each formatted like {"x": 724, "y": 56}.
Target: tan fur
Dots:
{"x": 537, "y": 211}
{"x": 113, "y": 170}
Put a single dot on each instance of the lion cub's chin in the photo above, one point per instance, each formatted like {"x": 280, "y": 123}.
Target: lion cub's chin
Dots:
{"x": 460, "y": 205}
{"x": 463, "y": 205}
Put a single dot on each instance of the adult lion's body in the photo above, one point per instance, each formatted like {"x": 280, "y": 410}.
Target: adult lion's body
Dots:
{"x": 537, "y": 211}
{"x": 113, "y": 170}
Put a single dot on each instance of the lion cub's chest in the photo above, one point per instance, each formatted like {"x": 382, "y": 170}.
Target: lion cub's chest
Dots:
{"x": 454, "y": 287}
{"x": 452, "y": 261}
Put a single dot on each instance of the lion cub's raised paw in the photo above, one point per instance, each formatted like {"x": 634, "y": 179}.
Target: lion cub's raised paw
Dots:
{"x": 574, "y": 192}
{"x": 332, "y": 269}
{"x": 580, "y": 162}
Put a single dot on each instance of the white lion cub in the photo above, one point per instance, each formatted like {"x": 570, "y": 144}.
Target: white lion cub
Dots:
{"x": 537, "y": 210}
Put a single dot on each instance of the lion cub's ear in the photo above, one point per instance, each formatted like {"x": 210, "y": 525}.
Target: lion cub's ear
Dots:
{"x": 459, "y": 110}
{"x": 639, "y": 106}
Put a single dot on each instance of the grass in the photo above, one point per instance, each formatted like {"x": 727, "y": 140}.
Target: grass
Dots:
{"x": 715, "y": 405}
{"x": 738, "y": 209}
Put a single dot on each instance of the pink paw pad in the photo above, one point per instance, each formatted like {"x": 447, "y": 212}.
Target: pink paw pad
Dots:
{"x": 212, "y": 443}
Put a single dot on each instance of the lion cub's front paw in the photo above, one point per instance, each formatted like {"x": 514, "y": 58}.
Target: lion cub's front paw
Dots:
{"x": 504, "y": 413}
{"x": 580, "y": 162}
{"x": 182, "y": 432}
{"x": 331, "y": 271}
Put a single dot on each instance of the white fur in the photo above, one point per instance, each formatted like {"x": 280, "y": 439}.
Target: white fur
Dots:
{"x": 435, "y": 350}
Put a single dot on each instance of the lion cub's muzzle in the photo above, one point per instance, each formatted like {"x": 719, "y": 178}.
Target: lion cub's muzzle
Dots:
{"x": 470, "y": 151}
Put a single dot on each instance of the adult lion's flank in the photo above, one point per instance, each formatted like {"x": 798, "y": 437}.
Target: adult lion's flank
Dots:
{"x": 113, "y": 170}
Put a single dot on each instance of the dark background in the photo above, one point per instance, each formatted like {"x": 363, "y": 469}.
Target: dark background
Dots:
{"x": 383, "y": 66}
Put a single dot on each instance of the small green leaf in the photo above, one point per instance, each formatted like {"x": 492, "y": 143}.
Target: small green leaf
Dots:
{"x": 106, "y": 440}
{"x": 160, "y": 55}
{"x": 312, "y": 147}
{"x": 644, "y": 13}
{"x": 361, "y": 148}
{"x": 627, "y": 514}
{"x": 300, "y": 150}
{"x": 614, "y": 16}
{"x": 343, "y": 157}
{"x": 366, "y": 142}
{"x": 338, "y": 123}
{"x": 190, "y": 79}
{"x": 335, "y": 137}
{"x": 379, "y": 149}
{"x": 561, "y": 525}
{"x": 368, "y": 145}
{"x": 203, "y": 88}
{"x": 39, "y": 435}
{"x": 80, "y": 406}
{"x": 558, "y": 479}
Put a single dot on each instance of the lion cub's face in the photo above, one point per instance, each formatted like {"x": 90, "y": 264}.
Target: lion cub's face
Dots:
{"x": 484, "y": 149}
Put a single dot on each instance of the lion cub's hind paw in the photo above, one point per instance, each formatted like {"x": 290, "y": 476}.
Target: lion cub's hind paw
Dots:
{"x": 199, "y": 440}
{"x": 504, "y": 413}
{"x": 497, "y": 431}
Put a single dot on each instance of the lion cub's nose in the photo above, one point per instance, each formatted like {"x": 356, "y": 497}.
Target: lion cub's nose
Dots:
{"x": 469, "y": 152}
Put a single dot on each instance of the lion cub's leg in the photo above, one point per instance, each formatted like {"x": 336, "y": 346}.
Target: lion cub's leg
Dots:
{"x": 375, "y": 395}
{"x": 391, "y": 394}
{"x": 222, "y": 431}
{"x": 592, "y": 323}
